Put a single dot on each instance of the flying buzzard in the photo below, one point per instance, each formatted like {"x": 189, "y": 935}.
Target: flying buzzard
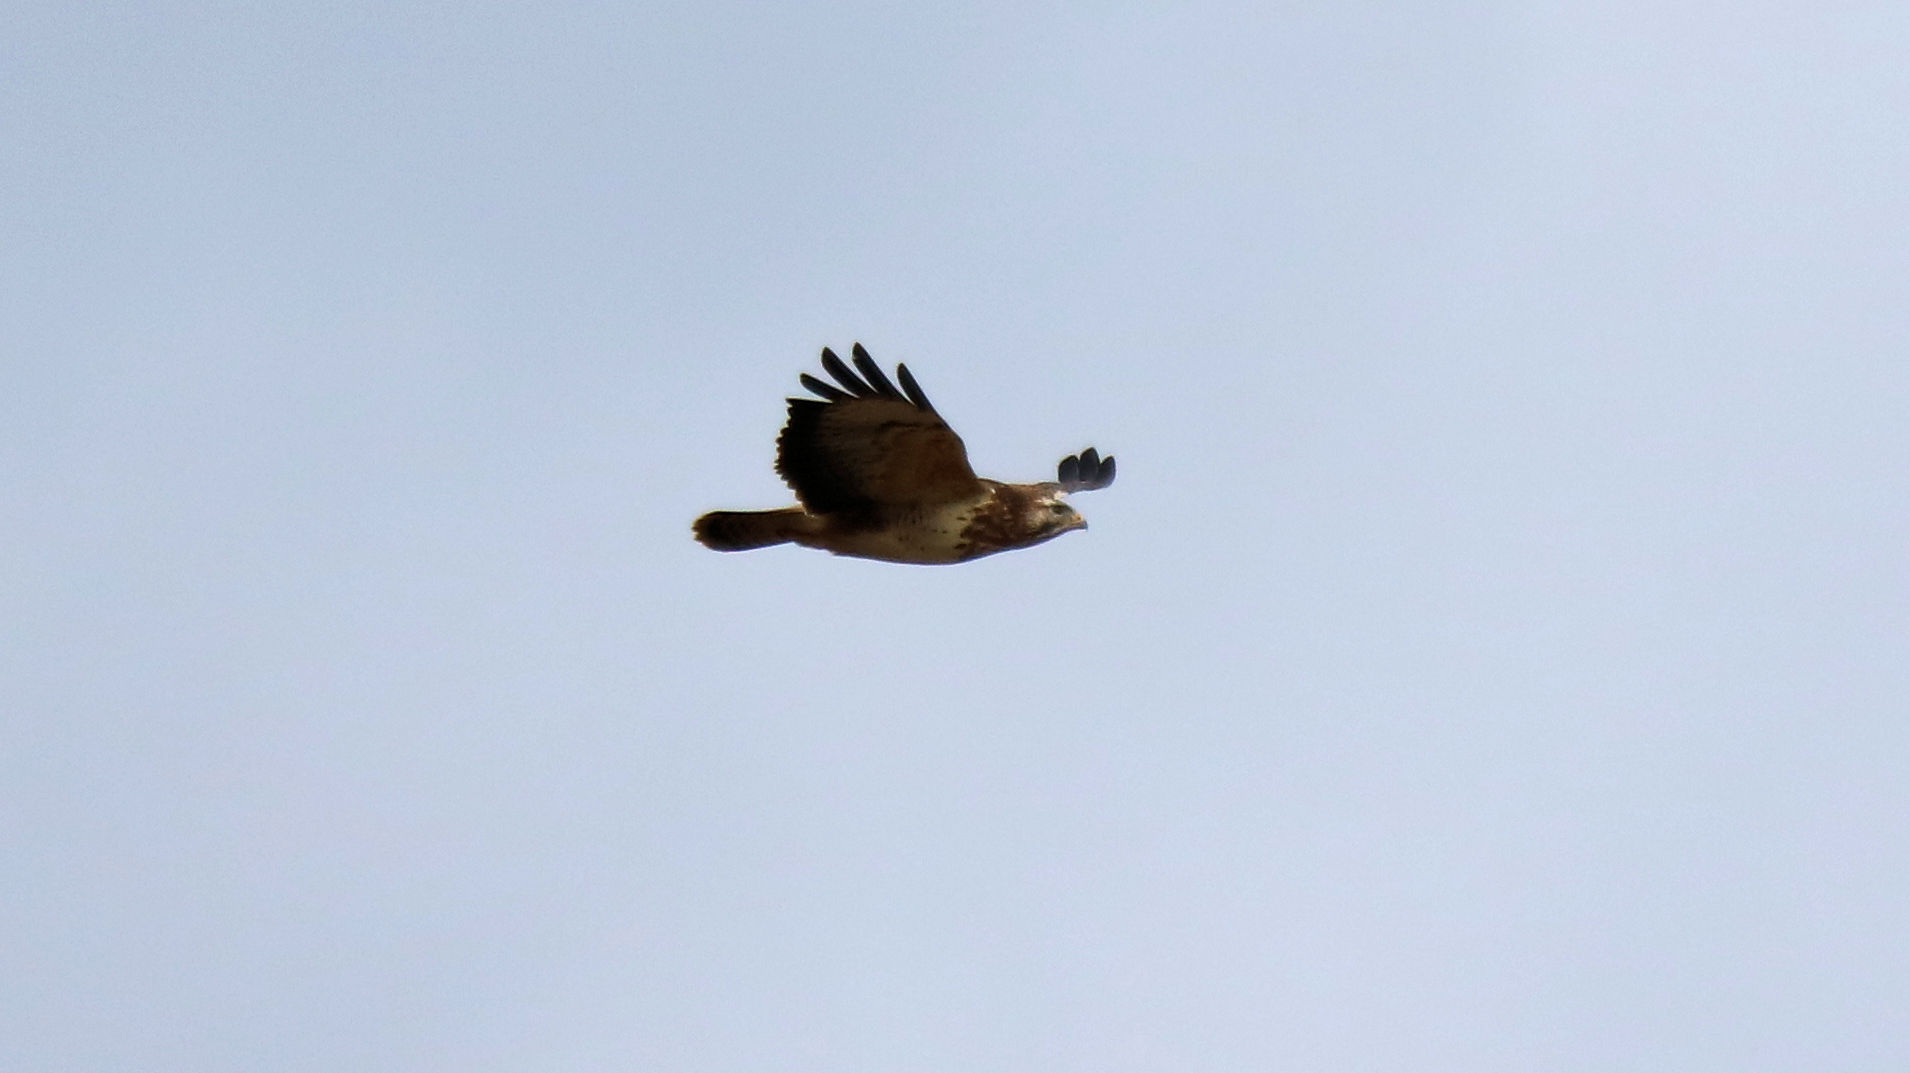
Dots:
{"x": 880, "y": 476}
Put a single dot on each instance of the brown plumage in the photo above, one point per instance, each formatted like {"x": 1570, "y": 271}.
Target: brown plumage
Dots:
{"x": 880, "y": 475}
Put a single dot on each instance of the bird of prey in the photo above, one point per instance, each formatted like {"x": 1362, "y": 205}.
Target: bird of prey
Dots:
{"x": 879, "y": 475}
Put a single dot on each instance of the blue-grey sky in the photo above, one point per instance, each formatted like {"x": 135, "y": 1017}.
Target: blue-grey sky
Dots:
{"x": 1494, "y": 656}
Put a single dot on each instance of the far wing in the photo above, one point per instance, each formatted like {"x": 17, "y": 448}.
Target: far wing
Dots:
{"x": 1085, "y": 472}
{"x": 866, "y": 444}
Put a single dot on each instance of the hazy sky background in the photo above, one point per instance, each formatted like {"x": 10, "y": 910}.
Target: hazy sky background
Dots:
{"x": 1495, "y": 654}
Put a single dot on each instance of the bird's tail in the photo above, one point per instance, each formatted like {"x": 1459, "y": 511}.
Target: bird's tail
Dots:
{"x": 741, "y": 530}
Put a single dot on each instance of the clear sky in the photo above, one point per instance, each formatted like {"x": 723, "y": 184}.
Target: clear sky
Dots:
{"x": 1495, "y": 654}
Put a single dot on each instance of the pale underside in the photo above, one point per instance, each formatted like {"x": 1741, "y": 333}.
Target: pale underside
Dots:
{"x": 926, "y": 535}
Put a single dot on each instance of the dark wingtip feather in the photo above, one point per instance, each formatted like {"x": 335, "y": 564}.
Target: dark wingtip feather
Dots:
{"x": 824, "y": 388}
{"x": 843, "y": 376}
{"x": 872, "y": 383}
{"x": 873, "y": 373}
{"x": 1086, "y": 471}
{"x": 912, "y": 389}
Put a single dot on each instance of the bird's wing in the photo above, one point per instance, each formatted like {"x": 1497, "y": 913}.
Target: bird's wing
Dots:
{"x": 867, "y": 444}
{"x": 1085, "y": 472}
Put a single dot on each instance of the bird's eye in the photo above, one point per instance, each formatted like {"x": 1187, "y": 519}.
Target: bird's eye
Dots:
{"x": 1057, "y": 508}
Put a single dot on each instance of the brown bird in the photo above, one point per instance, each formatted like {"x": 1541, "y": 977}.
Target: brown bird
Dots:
{"x": 879, "y": 475}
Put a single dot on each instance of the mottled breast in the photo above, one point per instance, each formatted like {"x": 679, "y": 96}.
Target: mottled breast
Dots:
{"x": 927, "y": 535}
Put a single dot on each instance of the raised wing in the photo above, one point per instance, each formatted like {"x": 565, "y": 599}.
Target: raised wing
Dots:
{"x": 1086, "y": 471}
{"x": 867, "y": 444}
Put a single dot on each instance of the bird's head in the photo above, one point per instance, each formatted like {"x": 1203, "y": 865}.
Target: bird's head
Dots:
{"x": 1049, "y": 516}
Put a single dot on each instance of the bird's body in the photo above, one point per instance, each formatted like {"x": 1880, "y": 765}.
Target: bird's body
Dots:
{"x": 881, "y": 476}
{"x": 911, "y": 535}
